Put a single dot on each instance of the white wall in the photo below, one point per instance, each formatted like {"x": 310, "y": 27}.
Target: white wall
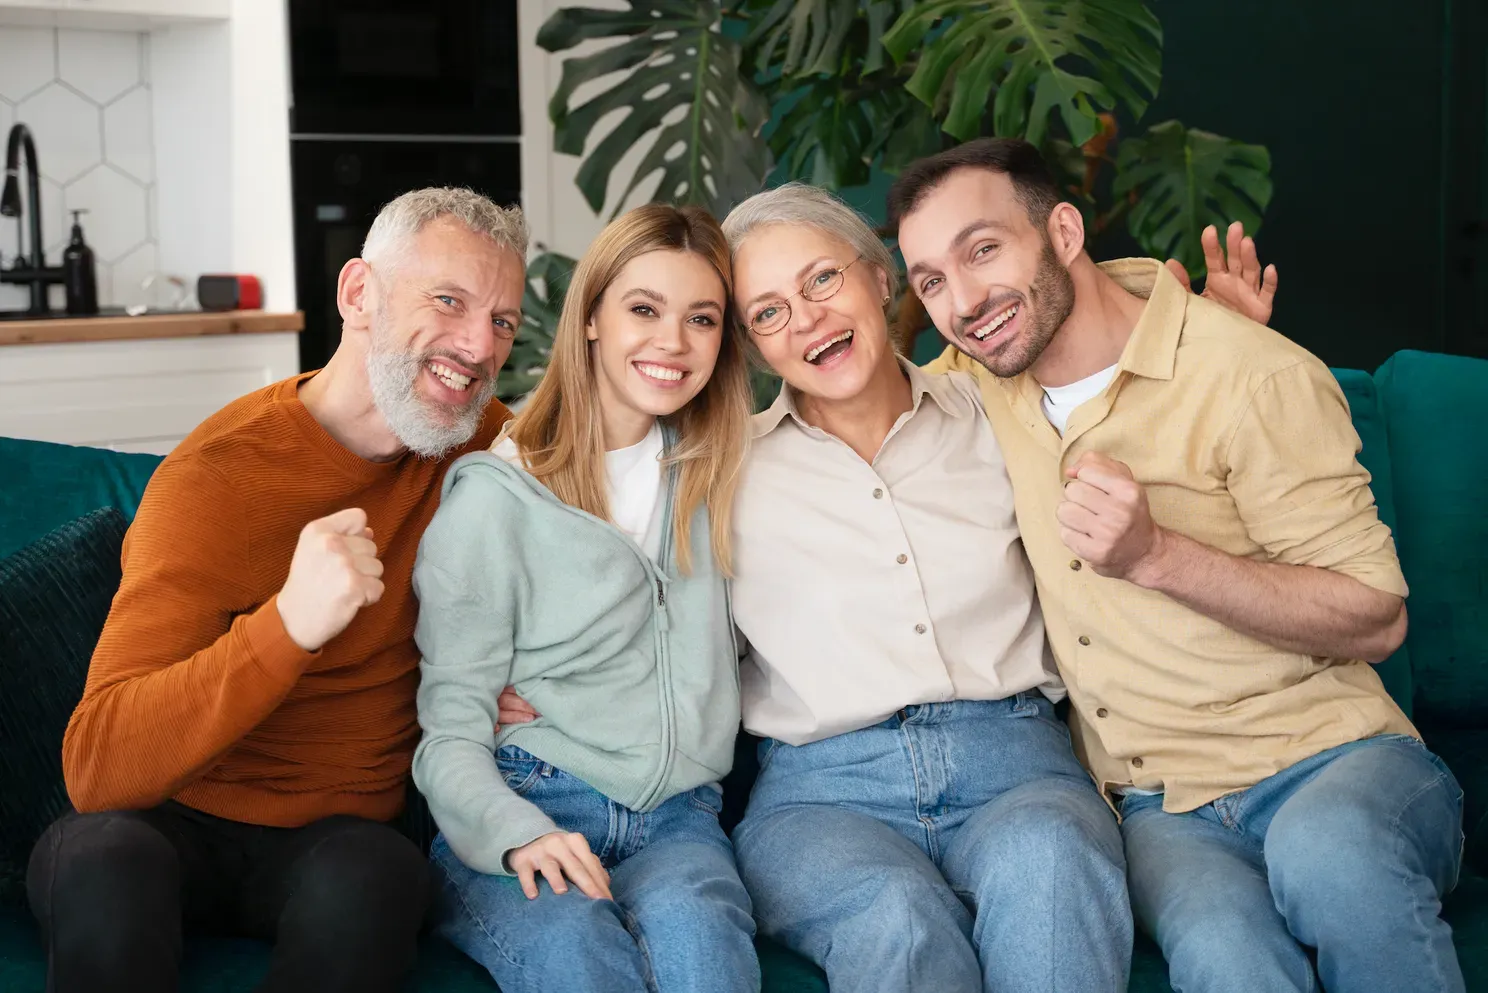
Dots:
{"x": 87, "y": 97}
{"x": 262, "y": 209}
{"x": 192, "y": 148}
{"x": 176, "y": 141}
{"x": 560, "y": 217}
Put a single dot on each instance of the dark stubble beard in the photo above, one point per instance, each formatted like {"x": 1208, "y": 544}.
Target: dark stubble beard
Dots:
{"x": 1050, "y": 301}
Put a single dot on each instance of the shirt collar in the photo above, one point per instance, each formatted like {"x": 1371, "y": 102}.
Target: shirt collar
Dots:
{"x": 921, "y": 384}
{"x": 1152, "y": 349}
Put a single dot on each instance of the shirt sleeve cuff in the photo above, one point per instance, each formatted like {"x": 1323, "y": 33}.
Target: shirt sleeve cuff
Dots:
{"x": 276, "y": 653}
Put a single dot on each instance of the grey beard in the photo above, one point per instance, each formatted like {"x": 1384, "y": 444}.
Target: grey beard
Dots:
{"x": 414, "y": 419}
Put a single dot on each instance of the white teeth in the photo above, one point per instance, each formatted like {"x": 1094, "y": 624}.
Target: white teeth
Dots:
{"x": 814, "y": 352}
{"x": 449, "y": 377}
{"x": 659, "y": 372}
{"x": 990, "y": 329}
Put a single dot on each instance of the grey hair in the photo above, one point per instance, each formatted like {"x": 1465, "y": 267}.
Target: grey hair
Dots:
{"x": 406, "y": 216}
{"x": 801, "y": 203}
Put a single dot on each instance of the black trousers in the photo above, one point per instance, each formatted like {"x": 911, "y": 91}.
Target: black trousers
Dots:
{"x": 342, "y": 899}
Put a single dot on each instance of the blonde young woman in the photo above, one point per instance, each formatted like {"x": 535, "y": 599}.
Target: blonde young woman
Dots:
{"x": 583, "y": 560}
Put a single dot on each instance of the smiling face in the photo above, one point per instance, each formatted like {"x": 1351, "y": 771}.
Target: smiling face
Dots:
{"x": 443, "y": 319}
{"x": 654, "y": 338}
{"x": 829, "y": 349}
{"x": 988, "y": 276}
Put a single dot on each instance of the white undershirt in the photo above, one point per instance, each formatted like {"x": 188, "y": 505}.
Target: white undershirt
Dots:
{"x": 1060, "y": 401}
{"x": 632, "y": 485}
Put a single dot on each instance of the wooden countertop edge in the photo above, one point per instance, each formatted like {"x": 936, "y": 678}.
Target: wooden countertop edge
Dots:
{"x": 64, "y": 329}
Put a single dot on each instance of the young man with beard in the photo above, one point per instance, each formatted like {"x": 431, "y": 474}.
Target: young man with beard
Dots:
{"x": 249, "y": 716}
{"x": 1215, "y": 582}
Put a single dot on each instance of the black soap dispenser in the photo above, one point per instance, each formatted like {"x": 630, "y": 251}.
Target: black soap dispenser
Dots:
{"x": 79, "y": 273}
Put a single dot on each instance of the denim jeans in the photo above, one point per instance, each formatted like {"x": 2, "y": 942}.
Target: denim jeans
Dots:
{"x": 955, "y": 847}
{"x": 1348, "y": 852}
{"x": 679, "y": 921}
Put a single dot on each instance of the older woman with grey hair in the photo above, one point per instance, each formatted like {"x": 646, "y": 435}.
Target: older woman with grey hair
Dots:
{"x": 920, "y": 820}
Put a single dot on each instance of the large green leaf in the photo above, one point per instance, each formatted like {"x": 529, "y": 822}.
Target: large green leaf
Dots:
{"x": 1185, "y": 179}
{"x": 547, "y": 284}
{"x": 834, "y": 130}
{"x": 805, "y": 37}
{"x": 1039, "y": 57}
{"x": 673, "y": 56}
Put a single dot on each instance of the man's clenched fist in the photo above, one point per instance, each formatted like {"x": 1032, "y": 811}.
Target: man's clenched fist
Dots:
{"x": 333, "y": 575}
{"x": 1105, "y": 520}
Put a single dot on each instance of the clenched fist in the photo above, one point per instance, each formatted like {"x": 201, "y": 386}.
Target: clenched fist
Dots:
{"x": 334, "y": 574}
{"x": 1104, "y": 518}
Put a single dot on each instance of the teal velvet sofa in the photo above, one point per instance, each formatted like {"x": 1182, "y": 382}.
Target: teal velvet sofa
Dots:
{"x": 1422, "y": 419}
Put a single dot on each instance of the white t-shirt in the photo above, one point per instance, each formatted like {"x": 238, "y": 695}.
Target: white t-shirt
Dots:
{"x": 633, "y": 487}
{"x": 1060, "y": 401}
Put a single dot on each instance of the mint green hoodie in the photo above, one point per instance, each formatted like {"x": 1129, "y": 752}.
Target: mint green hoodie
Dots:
{"x": 632, "y": 667}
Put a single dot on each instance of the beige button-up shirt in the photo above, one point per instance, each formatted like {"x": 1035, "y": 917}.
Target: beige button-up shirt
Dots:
{"x": 1243, "y": 441}
{"x": 861, "y": 589}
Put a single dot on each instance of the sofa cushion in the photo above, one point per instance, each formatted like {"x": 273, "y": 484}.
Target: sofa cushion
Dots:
{"x": 47, "y": 485}
{"x": 54, "y": 597}
{"x": 225, "y": 965}
{"x": 1362, "y": 395}
{"x": 1434, "y": 408}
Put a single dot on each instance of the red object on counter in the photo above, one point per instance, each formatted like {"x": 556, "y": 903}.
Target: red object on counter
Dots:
{"x": 229, "y": 292}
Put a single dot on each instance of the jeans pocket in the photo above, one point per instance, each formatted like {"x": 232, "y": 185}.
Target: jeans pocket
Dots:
{"x": 708, "y": 797}
{"x": 520, "y": 769}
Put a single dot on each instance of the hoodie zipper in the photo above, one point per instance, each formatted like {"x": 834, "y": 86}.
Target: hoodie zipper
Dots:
{"x": 666, "y": 701}
{"x": 661, "y": 627}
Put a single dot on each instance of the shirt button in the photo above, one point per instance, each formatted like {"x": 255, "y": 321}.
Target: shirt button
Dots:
{"x": 1084, "y": 639}
{"x": 1137, "y": 762}
{"x": 919, "y": 629}
{"x": 902, "y": 558}
{"x": 1101, "y": 712}
{"x": 1076, "y": 565}
{"x": 877, "y": 494}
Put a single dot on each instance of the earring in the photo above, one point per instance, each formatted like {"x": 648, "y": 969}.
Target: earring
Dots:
{"x": 886, "y": 301}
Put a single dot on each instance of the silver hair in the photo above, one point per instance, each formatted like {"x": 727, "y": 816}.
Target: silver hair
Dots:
{"x": 801, "y": 203}
{"x": 406, "y": 216}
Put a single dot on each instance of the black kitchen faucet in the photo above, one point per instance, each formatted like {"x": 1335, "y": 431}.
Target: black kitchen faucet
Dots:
{"x": 37, "y": 275}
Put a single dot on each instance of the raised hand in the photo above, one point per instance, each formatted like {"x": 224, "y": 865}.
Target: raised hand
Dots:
{"x": 335, "y": 573}
{"x": 1235, "y": 279}
{"x": 563, "y": 853}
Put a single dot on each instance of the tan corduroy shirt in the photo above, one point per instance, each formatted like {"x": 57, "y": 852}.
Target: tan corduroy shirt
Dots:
{"x": 864, "y": 587}
{"x": 1243, "y": 441}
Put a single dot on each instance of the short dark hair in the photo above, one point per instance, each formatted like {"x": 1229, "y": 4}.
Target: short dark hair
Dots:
{"x": 1033, "y": 181}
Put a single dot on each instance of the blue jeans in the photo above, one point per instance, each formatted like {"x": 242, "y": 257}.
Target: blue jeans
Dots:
{"x": 1348, "y": 852}
{"x": 956, "y": 847}
{"x": 680, "y": 919}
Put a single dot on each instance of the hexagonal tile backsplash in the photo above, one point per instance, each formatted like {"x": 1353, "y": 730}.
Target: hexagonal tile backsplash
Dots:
{"x": 86, "y": 97}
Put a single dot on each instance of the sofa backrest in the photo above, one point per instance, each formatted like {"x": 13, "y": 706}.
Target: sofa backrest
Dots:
{"x": 1435, "y": 411}
{"x": 43, "y": 486}
{"x": 1362, "y": 394}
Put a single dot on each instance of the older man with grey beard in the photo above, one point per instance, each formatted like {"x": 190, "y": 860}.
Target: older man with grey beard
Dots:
{"x": 249, "y": 716}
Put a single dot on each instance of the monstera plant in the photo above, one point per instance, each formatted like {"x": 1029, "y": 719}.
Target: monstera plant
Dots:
{"x": 726, "y": 95}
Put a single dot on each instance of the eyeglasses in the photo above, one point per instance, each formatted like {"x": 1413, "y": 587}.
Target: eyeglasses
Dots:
{"x": 771, "y": 316}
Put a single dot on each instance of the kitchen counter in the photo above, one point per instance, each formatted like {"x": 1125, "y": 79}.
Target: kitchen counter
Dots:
{"x": 146, "y": 326}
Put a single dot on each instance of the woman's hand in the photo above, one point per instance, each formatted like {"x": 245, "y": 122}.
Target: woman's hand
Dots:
{"x": 563, "y": 853}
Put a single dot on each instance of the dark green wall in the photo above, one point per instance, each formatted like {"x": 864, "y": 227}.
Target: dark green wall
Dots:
{"x": 1374, "y": 114}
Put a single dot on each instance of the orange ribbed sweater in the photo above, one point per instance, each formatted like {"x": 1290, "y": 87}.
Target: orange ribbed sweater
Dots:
{"x": 195, "y": 692}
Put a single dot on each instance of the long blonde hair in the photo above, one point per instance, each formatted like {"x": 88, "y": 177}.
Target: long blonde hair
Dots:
{"x": 559, "y": 432}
